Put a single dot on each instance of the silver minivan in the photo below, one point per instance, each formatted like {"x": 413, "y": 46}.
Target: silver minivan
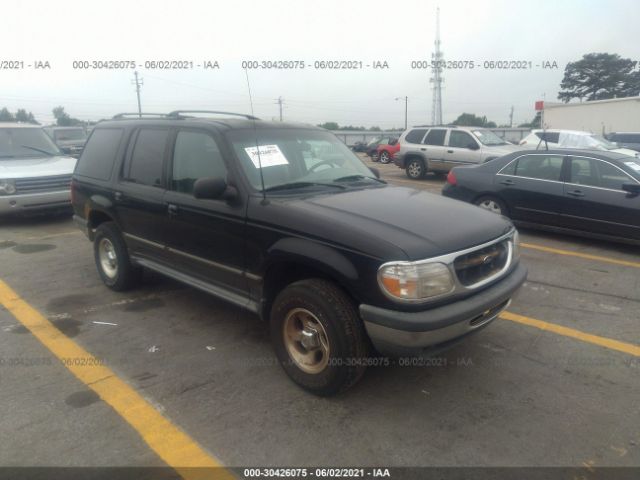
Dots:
{"x": 440, "y": 148}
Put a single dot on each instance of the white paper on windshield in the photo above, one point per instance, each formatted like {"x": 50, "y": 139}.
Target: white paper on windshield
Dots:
{"x": 634, "y": 165}
{"x": 270, "y": 155}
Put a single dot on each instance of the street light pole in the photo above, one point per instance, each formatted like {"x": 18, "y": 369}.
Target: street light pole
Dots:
{"x": 406, "y": 102}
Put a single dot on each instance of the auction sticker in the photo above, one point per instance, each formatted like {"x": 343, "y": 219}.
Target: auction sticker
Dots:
{"x": 267, "y": 156}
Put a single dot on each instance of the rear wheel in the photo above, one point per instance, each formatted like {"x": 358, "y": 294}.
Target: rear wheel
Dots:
{"x": 318, "y": 336}
{"x": 493, "y": 204}
{"x": 416, "y": 169}
{"x": 112, "y": 258}
{"x": 385, "y": 157}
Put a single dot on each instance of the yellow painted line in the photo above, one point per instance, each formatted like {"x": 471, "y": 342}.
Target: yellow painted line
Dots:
{"x": 623, "y": 347}
{"x": 588, "y": 256}
{"x": 175, "y": 447}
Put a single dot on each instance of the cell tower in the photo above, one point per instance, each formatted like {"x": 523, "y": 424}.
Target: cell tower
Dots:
{"x": 436, "y": 79}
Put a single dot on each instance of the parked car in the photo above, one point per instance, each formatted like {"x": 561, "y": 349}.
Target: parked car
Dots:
{"x": 630, "y": 140}
{"x": 297, "y": 230}
{"x": 70, "y": 140}
{"x": 385, "y": 153}
{"x": 439, "y": 149}
{"x": 34, "y": 175}
{"x": 586, "y": 192}
{"x": 359, "y": 147}
{"x": 541, "y": 139}
{"x": 372, "y": 147}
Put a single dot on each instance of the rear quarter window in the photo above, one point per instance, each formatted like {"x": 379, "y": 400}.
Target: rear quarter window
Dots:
{"x": 415, "y": 136}
{"x": 99, "y": 154}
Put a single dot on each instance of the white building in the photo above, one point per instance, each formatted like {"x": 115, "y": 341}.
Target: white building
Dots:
{"x": 597, "y": 116}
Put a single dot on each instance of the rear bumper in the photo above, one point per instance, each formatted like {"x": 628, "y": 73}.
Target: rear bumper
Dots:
{"x": 34, "y": 202}
{"x": 83, "y": 225}
{"x": 421, "y": 333}
{"x": 398, "y": 160}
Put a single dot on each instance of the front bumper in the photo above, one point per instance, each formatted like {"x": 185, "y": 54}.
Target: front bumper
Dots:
{"x": 34, "y": 202}
{"x": 397, "y": 333}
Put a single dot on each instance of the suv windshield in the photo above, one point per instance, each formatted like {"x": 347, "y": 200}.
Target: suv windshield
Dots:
{"x": 297, "y": 158}
{"x": 25, "y": 143}
{"x": 578, "y": 140}
{"x": 487, "y": 137}
{"x": 69, "y": 134}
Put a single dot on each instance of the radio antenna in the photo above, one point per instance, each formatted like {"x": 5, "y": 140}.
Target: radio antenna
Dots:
{"x": 255, "y": 132}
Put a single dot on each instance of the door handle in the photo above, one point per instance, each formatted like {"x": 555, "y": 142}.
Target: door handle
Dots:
{"x": 576, "y": 193}
{"x": 423, "y": 149}
{"x": 172, "y": 209}
{"x": 117, "y": 196}
{"x": 507, "y": 182}
{"x": 449, "y": 151}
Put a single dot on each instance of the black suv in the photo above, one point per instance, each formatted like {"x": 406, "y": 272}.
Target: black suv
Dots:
{"x": 285, "y": 221}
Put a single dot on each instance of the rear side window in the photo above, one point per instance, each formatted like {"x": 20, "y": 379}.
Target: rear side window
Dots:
{"x": 543, "y": 167}
{"x": 415, "y": 136}
{"x": 145, "y": 164}
{"x": 435, "y": 137}
{"x": 100, "y": 153}
{"x": 195, "y": 155}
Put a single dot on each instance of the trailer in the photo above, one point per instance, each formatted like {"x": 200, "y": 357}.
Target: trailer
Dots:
{"x": 597, "y": 116}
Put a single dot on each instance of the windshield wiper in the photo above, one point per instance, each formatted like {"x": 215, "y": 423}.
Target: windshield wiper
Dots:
{"x": 350, "y": 178}
{"x": 39, "y": 150}
{"x": 292, "y": 185}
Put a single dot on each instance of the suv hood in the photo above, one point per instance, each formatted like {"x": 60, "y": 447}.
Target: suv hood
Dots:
{"x": 420, "y": 224}
{"x": 626, "y": 151}
{"x": 36, "y": 167}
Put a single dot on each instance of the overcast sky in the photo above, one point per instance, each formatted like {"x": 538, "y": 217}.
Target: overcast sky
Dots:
{"x": 368, "y": 30}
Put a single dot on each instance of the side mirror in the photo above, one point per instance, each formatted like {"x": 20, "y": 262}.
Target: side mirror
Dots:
{"x": 473, "y": 146}
{"x": 213, "y": 188}
{"x": 632, "y": 188}
{"x": 375, "y": 171}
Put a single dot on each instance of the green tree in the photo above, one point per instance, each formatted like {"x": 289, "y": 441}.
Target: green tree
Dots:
{"x": 375, "y": 129}
{"x": 471, "y": 120}
{"x": 329, "y": 125}
{"x": 6, "y": 115}
{"x": 599, "y": 76}
{"x": 62, "y": 118}
{"x": 23, "y": 116}
{"x": 535, "y": 123}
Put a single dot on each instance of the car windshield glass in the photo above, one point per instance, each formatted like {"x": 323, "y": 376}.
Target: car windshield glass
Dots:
{"x": 70, "y": 134}
{"x": 487, "y": 137}
{"x": 25, "y": 143}
{"x": 373, "y": 142}
{"x": 300, "y": 157}
{"x": 601, "y": 142}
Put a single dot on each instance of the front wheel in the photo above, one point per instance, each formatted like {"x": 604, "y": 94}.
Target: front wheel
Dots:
{"x": 318, "y": 336}
{"x": 492, "y": 204}
{"x": 385, "y": 157}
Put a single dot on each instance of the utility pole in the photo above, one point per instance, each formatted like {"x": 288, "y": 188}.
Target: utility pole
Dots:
{"x": 280, "y": 101}
{"x": 406, "y": 102}
{"x": 138, "y": 83}
{"x": 436, "y": 78}
{"x": 511, "y": 118}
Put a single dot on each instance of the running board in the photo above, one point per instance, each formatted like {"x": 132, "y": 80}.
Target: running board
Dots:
{"x": 214, "y": 290}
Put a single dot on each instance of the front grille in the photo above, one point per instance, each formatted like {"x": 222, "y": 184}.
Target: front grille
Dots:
{"x": 43, "y": 184}
{"x": 480, "y": 265}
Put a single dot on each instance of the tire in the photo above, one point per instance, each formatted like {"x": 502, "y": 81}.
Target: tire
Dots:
{"x": 385, "y": 157}
{"x": 492, "y": 204}
{"x": 112, "y": 258}
{"x": 416, "y": 168}
{"x": 320, "y": 313}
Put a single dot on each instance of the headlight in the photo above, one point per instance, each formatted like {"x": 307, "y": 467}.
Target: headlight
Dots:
{"x": 7, "y": 187}
{"x": 415, "y": 281}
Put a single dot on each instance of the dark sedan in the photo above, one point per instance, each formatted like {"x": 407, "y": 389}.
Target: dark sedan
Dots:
{"x": 575, "y": 191}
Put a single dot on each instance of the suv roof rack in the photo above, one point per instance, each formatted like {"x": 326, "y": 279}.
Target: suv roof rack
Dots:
{"x": 179, "y": 114}
{"x": 120, "y": 116}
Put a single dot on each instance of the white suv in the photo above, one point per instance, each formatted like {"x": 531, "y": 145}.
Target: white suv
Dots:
{"x": 34, "y": 174}
{"x": 541, "y": 139}
{"x": 440, "y": 148}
